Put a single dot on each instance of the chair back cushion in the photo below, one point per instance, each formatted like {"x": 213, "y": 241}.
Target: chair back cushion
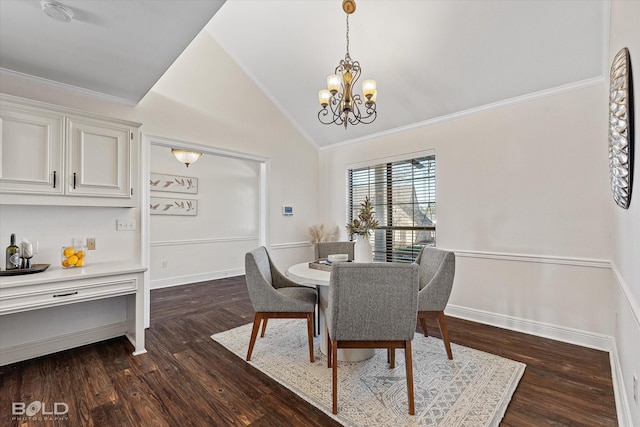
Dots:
{"x": 270, "y": 291}
{"x": 324, "y": 249}
{"x": 257, "y": 268}
{"x": 437, "y": 271}
{"x": 373, "y": 301}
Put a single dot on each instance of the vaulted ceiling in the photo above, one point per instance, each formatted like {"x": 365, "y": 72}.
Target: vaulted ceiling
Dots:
{"x": 431, "y": 59}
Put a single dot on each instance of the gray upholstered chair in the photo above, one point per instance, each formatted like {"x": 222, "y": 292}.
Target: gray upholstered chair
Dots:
{"x": 437, "y": 270}
{"x": 323, "y": 249}
{"x": 372, "y": 305}
{"x": 273, "y": 295}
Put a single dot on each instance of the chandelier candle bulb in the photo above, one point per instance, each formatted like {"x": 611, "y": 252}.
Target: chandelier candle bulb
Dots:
{"x": 369, "y": 88}
{"x": 333, "y": 83}
{"x": 324, "y": 96}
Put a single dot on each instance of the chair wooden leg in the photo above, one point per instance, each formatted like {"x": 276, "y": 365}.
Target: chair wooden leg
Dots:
{"x": 310, "y": 332}
{"x": 423, "y": 324}
{"x": 264, "y": 326}
{"x": 442, "y": 324}
{"x": 392, "y": 357}
{"x": 316, "y": 319}
{"x": 329, "y": 349}
{"x": 334, "y": 356}
{"x": 318, "y": 313}
{"x": 409, "y": 365}
{"x": 254, "y": 333}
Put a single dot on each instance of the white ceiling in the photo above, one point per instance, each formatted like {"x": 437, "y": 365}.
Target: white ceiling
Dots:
{"x": 113, "y": 47}
{"x": 430, "y": 58}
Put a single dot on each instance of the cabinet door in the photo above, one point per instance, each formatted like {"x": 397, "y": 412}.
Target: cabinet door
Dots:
{"x": 98, "y": 158}
{"x": 31, "y": 151}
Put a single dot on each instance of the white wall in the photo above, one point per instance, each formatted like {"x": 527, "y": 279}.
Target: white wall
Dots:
{"x": 187, "y": 249}
{"x": 206, "y": 98}
{"x": 625, "y": 32}
{"x": 523, "y": 198}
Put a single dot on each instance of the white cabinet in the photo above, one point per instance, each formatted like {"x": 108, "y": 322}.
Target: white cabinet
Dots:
{"x": 32, "y": 151}
{"x": 30, "y": 296}
{"x": 56, "y": 156}
{"x": 98, "y": 158}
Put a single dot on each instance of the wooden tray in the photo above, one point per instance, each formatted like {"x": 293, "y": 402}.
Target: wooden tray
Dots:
{"x": 321, "y": 264}
{"x": 36, "y": 268}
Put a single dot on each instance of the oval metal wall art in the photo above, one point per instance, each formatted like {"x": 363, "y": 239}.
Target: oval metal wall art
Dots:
{"x": 621, "y": 128}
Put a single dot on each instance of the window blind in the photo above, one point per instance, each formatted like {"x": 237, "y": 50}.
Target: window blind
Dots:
{"x": 403, "y": 195}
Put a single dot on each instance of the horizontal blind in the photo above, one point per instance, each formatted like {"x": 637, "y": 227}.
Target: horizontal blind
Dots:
{"x": 403, "y": 195}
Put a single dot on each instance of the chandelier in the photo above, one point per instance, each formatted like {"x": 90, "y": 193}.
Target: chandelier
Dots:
{"x": 339, "y": 105}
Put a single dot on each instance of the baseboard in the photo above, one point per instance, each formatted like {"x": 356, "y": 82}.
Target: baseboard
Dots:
{"x": 195, "y": 278}
{"x": 623, "y": 411}
{"x": 623, "y": 399}
{"x": 62, "y": 342}
{"x": 545, "y": 330}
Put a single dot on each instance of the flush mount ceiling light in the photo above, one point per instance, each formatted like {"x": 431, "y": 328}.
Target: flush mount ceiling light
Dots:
{"x": 344, "y": 106}
{"x": 186, "y": 156}
{"x": 57, "y": 11}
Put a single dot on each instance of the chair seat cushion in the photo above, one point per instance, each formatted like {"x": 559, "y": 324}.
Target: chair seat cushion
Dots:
{"x": 297, "y": 299}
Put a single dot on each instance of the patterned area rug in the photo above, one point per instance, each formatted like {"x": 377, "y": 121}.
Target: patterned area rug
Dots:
{"x": 473, "y": 389}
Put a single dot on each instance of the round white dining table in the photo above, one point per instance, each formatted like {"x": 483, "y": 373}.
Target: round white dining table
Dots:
{"x": 305, "y": 275}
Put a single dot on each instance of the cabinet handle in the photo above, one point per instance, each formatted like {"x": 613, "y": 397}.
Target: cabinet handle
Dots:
{"x": 65, "y": 295}
{"x": 54, "y": 179}
{"x": 74, "y": 180}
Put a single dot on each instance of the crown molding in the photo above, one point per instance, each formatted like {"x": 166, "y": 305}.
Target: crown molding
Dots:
{"x": 472, "y": 111}
{"x": 66, "y": 87}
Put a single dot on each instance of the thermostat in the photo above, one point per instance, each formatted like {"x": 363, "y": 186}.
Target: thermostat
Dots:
{"x": 287, "y": 210}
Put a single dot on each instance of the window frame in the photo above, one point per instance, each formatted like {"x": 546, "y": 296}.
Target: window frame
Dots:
{"x": 386, "y": 229}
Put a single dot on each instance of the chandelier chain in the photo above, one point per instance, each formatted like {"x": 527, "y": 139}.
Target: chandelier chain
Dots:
{"x": 348, "y": 56}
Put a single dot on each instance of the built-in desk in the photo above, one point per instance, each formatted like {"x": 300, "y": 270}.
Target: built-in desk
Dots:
{"x": 59, "y": 287}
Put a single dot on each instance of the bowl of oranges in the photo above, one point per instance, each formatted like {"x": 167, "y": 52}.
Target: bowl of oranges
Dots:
{"x": 74, "y": 256}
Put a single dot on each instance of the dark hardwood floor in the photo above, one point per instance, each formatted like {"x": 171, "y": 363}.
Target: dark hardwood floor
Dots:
{"x": 187, "y": 379}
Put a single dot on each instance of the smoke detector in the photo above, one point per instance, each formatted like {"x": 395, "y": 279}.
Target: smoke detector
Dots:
{"x": 57, "y": 11}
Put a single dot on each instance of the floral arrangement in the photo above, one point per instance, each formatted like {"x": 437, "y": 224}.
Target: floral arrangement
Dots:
{"x": 365, "y": 222}
{"x": 319, "y": 234}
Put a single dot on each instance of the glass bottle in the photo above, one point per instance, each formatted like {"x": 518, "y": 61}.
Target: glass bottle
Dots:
{"x": 13, "y": 254}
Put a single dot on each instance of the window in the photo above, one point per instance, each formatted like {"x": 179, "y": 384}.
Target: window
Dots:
{"x": 403, "y": 195}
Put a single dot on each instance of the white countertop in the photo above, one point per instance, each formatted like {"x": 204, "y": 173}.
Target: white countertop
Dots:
{"x": 56, "y": 273}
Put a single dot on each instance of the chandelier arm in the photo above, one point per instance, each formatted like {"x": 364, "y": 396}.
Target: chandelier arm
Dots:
{"x": 334, "y": 110}
{"x": 358, "y": 117}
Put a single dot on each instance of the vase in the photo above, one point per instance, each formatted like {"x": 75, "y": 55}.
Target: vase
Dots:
{"x": 362, "y": 251}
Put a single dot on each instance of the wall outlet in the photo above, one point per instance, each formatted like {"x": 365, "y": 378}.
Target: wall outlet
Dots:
{"x": 163, "y": 264}
{"x": 91, "y": 243}
{"x": 635, "y": 388}
{"x": 126, "y": 225}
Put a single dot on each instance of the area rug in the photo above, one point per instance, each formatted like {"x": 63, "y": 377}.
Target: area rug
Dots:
{"x": 473, "y": 389}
